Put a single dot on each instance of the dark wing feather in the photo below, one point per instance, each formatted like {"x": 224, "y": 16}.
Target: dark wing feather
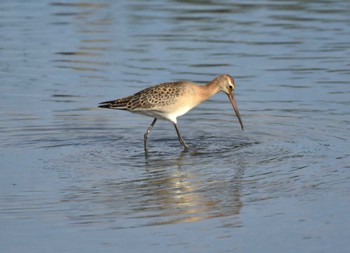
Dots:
{"x": 118, "y": 104}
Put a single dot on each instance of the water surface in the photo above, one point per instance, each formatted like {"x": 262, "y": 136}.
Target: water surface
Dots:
{"x": 75, "y": 178}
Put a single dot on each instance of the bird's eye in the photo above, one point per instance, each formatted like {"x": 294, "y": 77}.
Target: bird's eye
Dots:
{"x": 230, "y": 85}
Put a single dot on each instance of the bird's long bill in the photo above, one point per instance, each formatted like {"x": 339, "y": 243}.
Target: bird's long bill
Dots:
{"x": 235, "y": 107}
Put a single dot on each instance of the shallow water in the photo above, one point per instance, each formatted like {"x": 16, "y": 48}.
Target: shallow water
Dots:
{"x": 75, "y": 178}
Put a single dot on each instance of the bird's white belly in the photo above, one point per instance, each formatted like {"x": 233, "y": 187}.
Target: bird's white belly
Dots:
{"x": 170, "y": 116}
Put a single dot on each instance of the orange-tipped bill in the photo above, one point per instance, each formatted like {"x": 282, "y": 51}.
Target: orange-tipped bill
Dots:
{"x": 235, "y": 107}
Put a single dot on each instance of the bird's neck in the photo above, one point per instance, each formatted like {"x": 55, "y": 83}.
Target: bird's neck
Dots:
{"x": 209, "y": 90}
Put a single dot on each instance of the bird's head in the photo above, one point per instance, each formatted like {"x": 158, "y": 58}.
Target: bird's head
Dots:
{"x": 226, "y": 84}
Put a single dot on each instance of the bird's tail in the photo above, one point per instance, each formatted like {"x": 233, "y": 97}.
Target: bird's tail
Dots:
{"x": 118, "y": 104}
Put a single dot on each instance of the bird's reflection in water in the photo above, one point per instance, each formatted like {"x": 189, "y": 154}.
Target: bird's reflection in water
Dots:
{"x": 164, "y": 190}
{"x": 183, "y": 194}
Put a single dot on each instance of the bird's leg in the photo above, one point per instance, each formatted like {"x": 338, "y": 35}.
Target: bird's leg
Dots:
{"x": 182, "y": 141}
{"x": 147, "y": 133}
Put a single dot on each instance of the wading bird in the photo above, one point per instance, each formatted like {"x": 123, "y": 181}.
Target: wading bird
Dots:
{"x": 167, "y": 101}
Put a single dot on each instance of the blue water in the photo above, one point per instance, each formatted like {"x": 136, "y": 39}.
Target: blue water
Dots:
{"x": 75, "y": 178}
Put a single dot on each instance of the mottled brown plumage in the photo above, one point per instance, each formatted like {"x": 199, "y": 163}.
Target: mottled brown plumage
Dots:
{"x": 170, "y": 100}
{"x": 156, "y": 96}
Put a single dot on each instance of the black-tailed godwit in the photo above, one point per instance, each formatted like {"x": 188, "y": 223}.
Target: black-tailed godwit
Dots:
{"x": 168, "y": 101}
